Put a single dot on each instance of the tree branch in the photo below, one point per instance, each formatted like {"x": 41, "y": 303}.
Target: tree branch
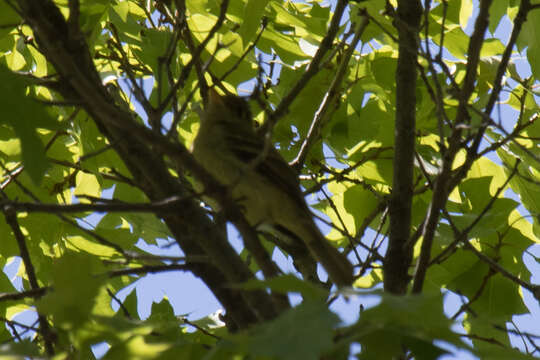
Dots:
{"x": 45, "y": 329}
{"x": 33, "y": 293}
{"x": 193, "y": 230}
{"x": 164, "y": 206}
{"x": 442, "y": 188}
{"x": 331, "y": 96}
{"x": 313, "y": 67}
{"x": 398, "y": 257}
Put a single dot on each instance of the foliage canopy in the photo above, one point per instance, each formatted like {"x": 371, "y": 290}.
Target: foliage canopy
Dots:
{"x": 413, "y": 125}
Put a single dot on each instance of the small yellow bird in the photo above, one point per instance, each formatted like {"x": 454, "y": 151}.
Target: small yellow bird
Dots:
{"x": 265, "y": 186}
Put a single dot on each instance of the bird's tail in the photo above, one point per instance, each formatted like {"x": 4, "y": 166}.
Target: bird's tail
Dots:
{"x": 337, "y": 266}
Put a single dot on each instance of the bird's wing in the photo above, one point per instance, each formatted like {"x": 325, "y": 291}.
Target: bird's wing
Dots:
{"x": 250, "y": 149}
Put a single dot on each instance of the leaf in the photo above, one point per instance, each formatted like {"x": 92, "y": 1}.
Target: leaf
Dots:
{"x": 163, "y": 318}
{"x": 497, "y": 11}
{"x": 497, "y": 352}
{"x": 130, "y": 304}
{"x": 531, "y": 37}
{"x": 153, "y": 47}
{"x": 415, "y": 321}
{"x": 87, "y": 184}
{"x": 359, "y": 202}
{"x": 122, "y": 10}
{"x": 75, "y": 290}
{"x": 81, "y": 243}
{"x": 456, "y": 42}
{"x": 465, "y": 12}
{"x": 287, "y": 49}
{"x": 136, "y": 348}
{"x": 253, "y": 13}
{"x": 529, "y": 193}
{"x": 197, "y": 6}
{"x": 491, "y": 47}
{"x": 22, "y": 349}
{"x": 369, "y": 280}
{"x": 304, "y": 332}
{"x": 8, "y": 16}
{"x": 25, "y": 116}
{"x": 8, "y": 247}
{"x": 424, "y": 349}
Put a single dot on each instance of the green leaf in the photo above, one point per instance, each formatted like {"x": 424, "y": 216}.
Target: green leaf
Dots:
{"x": 122, "y": 10}
{"x": 163, "y": 318}
{"x": 8, "y": 16}
{"x": 197, "y": 6}
{"x": 304, "y": 332}
{"x": 287, "y": 49}
{"x": 130, "y": 304}
{"x": 8, "y": 247}
{"x": 497, "y": 10}
{"x": 82, "y": 243}
{"x": 465, "y": 12}
{"x": 8, "y": 20}
{"x": 496, "y": 352}
{"x": 415, "y": 321}
{"x": 87, "y": 184}
{"x": 424, "y": 349}
{"x": 75, "y": 289}
{"x": 456, "y": 42}
{"x": 22, "y": 349}
{"x": 25, "y": 116}
{"x": 253, "y": 13}
{"x": 359, "y": 202}
{"x": 369, "y": 280}
{"x": 531, "y": 37}
{"x": 136, "y": 348}
{"x": 491, "y": 47}
{"x": 153, "y": 47}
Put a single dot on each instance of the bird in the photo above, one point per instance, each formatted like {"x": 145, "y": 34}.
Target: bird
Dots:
{"x": 265, "y": 187}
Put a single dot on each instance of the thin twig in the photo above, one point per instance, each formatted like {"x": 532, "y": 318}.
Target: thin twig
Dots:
{"x": 476, "y": 295}
{"x": 314, "y": 66}
{"x": 165, "y": 206}
{"x": 45, "y": 329}
{"x": 204, "y": 331}
{"x": 33, "y": 294}
{"x": 138, "y": 91}
{"x": 247, "y": 51}
{"x": 331, "y": 96}
{"x": 147, "y": 269}
{"x": 97, "y": 237}
{"x": 120, "y": 303}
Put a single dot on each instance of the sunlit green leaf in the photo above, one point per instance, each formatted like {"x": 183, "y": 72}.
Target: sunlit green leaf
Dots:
{"x": 75, "y": 290}
{"x": 24, "y": 115}
{"x": 253, "y": 13}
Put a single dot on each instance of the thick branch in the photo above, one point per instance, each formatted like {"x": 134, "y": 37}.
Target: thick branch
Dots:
{"x": 398, "y": 257}
{"x": 192, "y": 228}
